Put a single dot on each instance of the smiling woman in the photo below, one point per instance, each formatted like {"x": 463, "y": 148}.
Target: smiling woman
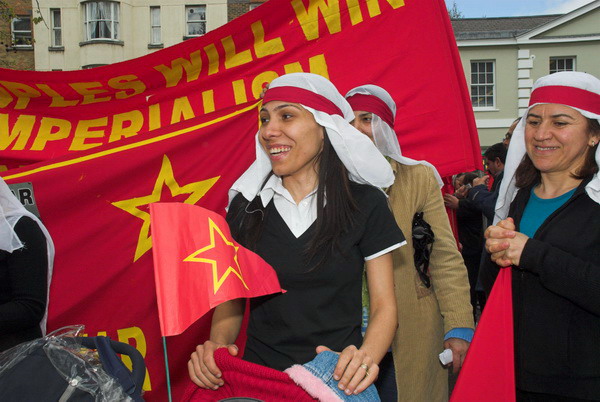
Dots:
{"x": 551, "y": 237}
{"x": 309, "y": 205}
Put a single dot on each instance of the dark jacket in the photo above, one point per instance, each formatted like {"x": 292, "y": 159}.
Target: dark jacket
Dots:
{"x": 556, "y": 300}
{"x": 485, "y": 200}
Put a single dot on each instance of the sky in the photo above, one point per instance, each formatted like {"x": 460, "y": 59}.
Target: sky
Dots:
{"x": 512, "y": 8}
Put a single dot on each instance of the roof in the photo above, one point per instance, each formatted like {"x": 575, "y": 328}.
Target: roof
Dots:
{"x": 498, "y": 28}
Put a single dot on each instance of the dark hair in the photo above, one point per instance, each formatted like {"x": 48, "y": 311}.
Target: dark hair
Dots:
{"x": 496, "y": 151}
{"x": 334, "y": 217}
{"x": 527, "y": 174}
{"x": 469, "y": 177}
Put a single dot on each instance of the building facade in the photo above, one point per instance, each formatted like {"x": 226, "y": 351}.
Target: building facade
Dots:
{"x": 502, "y": 58}
{"x": 83, "y": 34}
{"x": 16, "y": 37}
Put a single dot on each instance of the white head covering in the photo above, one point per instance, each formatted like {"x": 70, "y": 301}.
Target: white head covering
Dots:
{"x": 364, "y": 162}
{"x": 580, "y": 91}
{"x": 11, "y": 210}
{"x": 382, "y": 124}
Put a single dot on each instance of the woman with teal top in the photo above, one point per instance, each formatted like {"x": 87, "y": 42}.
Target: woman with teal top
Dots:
{"x": 547, "y": 228}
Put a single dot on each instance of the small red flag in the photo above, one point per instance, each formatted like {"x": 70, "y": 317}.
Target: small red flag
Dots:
{"x": 488, "y": 373}
{"x": 198, "y": 265}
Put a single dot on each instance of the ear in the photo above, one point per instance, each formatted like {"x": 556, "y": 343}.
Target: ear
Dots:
{"x": 594, "y": 140}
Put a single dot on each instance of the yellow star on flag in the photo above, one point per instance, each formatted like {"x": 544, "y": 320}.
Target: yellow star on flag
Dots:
{"x": 217, "y": 282}
{"x": 196, "y": 191}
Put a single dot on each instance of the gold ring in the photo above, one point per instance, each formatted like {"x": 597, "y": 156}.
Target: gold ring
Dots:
{"x": 364, "y": 366}
{"x": 367, "y": 373}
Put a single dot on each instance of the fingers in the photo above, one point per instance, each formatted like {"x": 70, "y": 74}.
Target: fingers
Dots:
{"x": 322, "y": 348}
{"x": 202, "y": 368}
{"x": 497, "y": 232}
{"x": 355, "y": 369}
{"x": 508, "y": 224}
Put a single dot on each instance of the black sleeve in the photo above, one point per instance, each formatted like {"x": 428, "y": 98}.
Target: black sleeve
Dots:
{"x": 26, "y": 271}
{"x": 381, "y": 230}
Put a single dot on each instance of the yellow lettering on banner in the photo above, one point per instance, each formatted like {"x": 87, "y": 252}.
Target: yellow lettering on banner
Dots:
{"x": 57, "y": 99}
{"x": 51, "y": 130}
{"x": 316, "y": 65}
{"x": 20, "y": 133}
{"x": 84, "y": 130}
{"x": 354, "y": 11}
{"x": 5, "y": 98}
{"x": 89, "y": 90}
{"x": 137, "y": 335}
{"x": 309, "y": 18}
{"x": 262, "y": 48}
{"x": 23, "y": 92}
{"x": 127, "y": 82}
{"x": 375, "y": 10}
{"x": 126, "y": 125}
{"x": 232, "y": 58}
{"x": 181, "y": 108}
{"x": 260, "y": 80}
{"x": 154, "y": 117}
{"x": 174, "y": 74}
{"x": 239, "y": 92}
{"x": 208, "y": 101}
{"x": 213, "y": 58}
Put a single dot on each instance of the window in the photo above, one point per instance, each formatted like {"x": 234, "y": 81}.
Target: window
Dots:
{"x": 101, "y": 20}
{"x": 21, "y": 31}
{"x": 483, "y": 84}
{"x": 56, "y": 40}
{"x": 562, "y": 64}
{"x": 196, "y": 20}
{"x": 155, "y": 38}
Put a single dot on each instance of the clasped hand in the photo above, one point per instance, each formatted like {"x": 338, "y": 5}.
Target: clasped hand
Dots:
{"x": 504, "y": 243}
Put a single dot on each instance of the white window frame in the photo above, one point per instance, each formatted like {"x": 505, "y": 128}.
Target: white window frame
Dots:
{"x": 55, "y": 30}
{"x": 155, "y": 26}
{"x": 188, "y": 21}
{"x": 28, "y": 34}
{"x": 252, "y": 6}
{"x": 561, "y": 60}
{"x": 111, "y": 21}
{"x": 486, "y": 83}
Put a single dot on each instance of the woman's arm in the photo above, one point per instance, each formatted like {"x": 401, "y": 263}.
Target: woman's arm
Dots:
{"x": 383, "y": 322}
{"x": 225, "y": 328}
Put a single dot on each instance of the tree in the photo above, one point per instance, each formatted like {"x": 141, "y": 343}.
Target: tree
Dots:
{"x": 454, "y": 12}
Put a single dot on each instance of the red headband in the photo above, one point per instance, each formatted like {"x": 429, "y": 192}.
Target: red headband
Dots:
{"x": 303, "y": 96}
{"x": 372, "y": 104}
{"x": 569, "y": 96}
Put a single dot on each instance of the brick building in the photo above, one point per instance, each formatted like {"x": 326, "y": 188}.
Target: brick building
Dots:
{"x": 235, "y": 8}
{"x": 16, "y": 47}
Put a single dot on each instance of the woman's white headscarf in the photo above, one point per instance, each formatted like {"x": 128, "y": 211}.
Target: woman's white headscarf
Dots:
{"x": 376, "y": 100}
{"x": 364, "y": 162}
{"x": 580, "y": 91}
{"x": 11, "y": 210}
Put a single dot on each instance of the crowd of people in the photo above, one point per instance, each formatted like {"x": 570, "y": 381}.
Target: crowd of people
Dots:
{"x": 331, "y": 201}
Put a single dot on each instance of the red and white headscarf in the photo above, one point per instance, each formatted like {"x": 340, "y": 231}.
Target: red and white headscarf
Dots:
{"x": 318, "y": 95}
{"x": 376, "y": 100}
{"x": 580, "y": 91}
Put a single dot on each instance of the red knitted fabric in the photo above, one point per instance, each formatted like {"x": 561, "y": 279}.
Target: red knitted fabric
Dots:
{"x": 245, "y": 379}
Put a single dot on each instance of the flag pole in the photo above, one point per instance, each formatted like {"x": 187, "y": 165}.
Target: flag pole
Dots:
{"x": 167, "y": 368}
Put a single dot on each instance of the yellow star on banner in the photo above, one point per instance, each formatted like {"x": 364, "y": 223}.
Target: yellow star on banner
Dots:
{"x": 165, "y": 177}
{"x": 217, "y": 282}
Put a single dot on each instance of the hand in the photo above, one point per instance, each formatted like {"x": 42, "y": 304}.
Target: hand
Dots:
{"x": 202, "y": 368}
{"x": 462, "y": 192}
{"x": 350, "y": 370}
{"x": 481, "y": 180}
{"x": 504, "y": 243}
{"x": 450, "y": 201}
{"x": 264, "y": 91}
{"x": 459, "y": 349}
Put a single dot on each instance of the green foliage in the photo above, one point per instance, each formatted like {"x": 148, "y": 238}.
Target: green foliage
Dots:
{"x": 454, "y": 12}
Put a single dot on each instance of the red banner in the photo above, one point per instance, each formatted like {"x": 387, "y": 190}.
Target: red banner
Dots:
{"x": 178, "y": 125}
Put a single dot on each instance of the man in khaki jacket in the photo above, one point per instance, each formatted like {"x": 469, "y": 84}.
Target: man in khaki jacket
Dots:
{"x": 433, "y": 318}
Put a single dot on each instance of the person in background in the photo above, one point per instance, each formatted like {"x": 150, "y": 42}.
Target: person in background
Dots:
{"x": 509, "y": 133}
{"x": 547, "y": 231}
{"x": 431, "y": 318}
{"x": 26, "y": 258}
{"x": 310, "y": 206}
{"x": 470, "y": 234}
